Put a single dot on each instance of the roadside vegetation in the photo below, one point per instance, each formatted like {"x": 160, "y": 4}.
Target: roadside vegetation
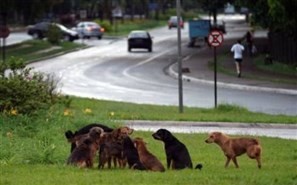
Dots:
{"x": 34, "y": 50}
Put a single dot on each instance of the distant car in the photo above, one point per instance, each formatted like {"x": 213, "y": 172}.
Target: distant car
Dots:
{"x": 244, "y": 10}
{"x": 40, "y": 30}
{"x": 220, "y": 26}
{"x": 89, "y": 29}
{"x": 140, "y": 39}
{"x": 229, "y": 9}
{"x": 172, "y": 22}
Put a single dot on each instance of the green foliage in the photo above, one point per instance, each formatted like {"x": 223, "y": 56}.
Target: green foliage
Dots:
{"x": 104, "y": 24}
{"x": 33, "y": 50}
{"x": 54, "y": 34}
{"x": 24, "y": 91}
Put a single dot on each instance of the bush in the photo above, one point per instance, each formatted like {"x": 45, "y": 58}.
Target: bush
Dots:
{"x": 54, "y": 34}
{"x": 105, "y": 24}
{"x": 23, "y": 91}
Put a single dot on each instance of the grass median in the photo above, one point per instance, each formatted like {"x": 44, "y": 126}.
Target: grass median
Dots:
{"x": 33, "y": 149}
{"x": 34, "y": 50}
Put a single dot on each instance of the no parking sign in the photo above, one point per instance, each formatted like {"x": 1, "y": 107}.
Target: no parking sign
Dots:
{"x": 215, "y": 38}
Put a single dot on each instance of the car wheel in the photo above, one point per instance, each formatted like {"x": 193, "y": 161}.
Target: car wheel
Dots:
{"x": 150, "y": 49}
{"x": 36, "y": 35}
{"x": 99, "y": 37}
{"x": 129, "y": 49}
{"x": 67, "y": 38}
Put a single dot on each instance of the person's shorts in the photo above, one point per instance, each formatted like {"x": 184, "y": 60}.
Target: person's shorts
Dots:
{"x": 238, "y": 60}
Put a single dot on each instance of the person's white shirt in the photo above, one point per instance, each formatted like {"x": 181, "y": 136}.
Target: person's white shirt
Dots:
{"x": 238, "y": 50}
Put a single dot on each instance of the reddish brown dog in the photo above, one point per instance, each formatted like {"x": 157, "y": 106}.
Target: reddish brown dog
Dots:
{"x": 233, "y": 147}
{"x": 111, "y": 147}
{"x": 149, "y": 161}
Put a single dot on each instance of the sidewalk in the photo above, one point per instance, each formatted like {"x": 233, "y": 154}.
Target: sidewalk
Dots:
{"x": 252, "y": 78}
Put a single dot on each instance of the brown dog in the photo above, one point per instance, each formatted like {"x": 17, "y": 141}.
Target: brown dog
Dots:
{"x": 149, "y": 161}
{"x": 233, "y": 147}
{"x": 111, "y": 147}
{"x": 86, "y": 149}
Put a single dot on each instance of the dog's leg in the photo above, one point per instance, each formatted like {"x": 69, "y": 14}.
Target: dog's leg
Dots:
{"x": 227, "y": 162}
{"x": 235, "y": 162}
{"x": 258, "y": 158}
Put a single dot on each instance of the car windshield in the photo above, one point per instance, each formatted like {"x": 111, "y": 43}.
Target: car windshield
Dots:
{"x": 138, "y": 35}
{"x": 92, "y": 25}
{"x": 174, "y": 18}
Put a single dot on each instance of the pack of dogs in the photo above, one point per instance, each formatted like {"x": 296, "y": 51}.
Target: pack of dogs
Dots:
{"x": 115, "y": 146}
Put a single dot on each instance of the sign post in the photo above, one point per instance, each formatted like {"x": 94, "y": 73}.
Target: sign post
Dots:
{"x": 215, "y": 39}
{"x": 4, "y": 33}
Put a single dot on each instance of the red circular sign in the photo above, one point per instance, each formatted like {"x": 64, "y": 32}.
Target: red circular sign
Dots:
{"x": 4, "y": 32}
{"x": 215, "y": 38}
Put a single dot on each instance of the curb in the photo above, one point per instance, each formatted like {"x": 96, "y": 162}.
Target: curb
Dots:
{"x": 174, "y": 74}
{"x": 210, "y": 124}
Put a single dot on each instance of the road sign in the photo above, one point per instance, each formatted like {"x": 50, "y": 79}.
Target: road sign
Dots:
{"x": 4, "y": 32}
{"x": 215, "y": 38}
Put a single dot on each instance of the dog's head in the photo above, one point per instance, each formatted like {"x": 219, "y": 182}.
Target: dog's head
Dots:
{"x": 213, "y": 137}
{"x": 162, "y": 135}
{"x": 122, "y": 132}
{"x": 96, "y": 132}
{"x": 138, "y": 142}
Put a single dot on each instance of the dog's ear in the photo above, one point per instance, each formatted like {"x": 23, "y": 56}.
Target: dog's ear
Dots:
{"x": 69, "y": 134}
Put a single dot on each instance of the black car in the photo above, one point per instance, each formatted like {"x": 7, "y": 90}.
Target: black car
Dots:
{"x": 140, "y": 39}
{"x": 40, "y": 30}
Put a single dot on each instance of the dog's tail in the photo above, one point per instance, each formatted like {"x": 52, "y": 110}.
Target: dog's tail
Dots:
{"x": 199, "y": 166}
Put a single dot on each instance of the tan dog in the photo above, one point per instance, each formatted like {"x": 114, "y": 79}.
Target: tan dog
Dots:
{"x": 149, "y": 161}
{"x": 233, "y": 147}
{"x": 111, "y": 147}
{"x": 83, "y": 155}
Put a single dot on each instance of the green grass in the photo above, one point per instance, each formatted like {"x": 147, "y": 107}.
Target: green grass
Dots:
{"x": 33, "y": 150}
{"x": 275, "y": 67}
{"x": 286, "y": 72}
{"x": 38, "y": 49}
{"x": 124, "y": 28}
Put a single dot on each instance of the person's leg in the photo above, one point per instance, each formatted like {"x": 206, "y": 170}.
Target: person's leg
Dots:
{"x": 238, "y": 68}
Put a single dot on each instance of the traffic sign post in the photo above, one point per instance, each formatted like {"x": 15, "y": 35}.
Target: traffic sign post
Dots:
{"x": 4, "y": 33}
{"x": 215, "y": 39}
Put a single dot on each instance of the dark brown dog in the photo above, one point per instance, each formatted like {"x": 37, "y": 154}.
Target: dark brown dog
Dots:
{"x": 149, "y": 161}
{"x": 177, "y": 154}
{"x": 131, "y": 154}
{"x": 74, "y": 137}
{"x": 233, "y": 147}
{"x": 111, "y": 147}
{"x": 85, "y": 151}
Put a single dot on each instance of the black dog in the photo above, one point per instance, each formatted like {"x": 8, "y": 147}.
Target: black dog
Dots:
{"x": 177, "y": 154}
{"x": 131, "y": 154}
{"x": 84, "y": 130}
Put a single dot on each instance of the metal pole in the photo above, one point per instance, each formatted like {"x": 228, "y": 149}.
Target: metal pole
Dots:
{"x": 179, "y": 58}
{"x": 215, "y": 76}
{"x": 3, "y": 50}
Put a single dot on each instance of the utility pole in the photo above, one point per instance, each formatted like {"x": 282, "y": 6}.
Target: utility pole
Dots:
{"x": 179, "y": 58}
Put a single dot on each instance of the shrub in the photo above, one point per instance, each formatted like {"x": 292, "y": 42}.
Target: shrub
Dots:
{"x": 24, "y": 91}
{"x": 105, "y": 24}
{"x": 54, "y": 34}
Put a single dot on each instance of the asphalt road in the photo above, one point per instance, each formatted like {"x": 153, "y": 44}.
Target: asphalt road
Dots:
{"x": 108, "y": 71}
